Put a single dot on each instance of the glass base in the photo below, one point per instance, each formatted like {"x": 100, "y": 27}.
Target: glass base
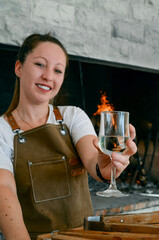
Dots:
{"x": 111, "y": 192}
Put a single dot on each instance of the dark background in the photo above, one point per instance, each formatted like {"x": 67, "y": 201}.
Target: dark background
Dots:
{"x": 133, "y": 90}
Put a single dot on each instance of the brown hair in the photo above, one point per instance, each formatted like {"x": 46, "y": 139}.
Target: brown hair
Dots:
{"x": 27, "y": 47}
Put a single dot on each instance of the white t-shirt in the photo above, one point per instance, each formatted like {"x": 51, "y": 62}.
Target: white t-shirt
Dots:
{"x": 76, "y": 120}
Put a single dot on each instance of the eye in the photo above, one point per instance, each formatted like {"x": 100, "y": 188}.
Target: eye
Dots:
{"x": 58, "y": 71}
{"x": 40, "y": 65}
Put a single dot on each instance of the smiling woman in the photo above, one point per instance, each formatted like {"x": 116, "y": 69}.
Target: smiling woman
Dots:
{"x": 45, "y": 150}
{"x": 41, "y": 76}
{"x": 28, "y": 46}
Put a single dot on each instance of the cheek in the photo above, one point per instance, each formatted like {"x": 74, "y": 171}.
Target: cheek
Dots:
{"x": 29, "y": 76}
{"x": 59, "y": 83}
{"x": 56, "y": 87}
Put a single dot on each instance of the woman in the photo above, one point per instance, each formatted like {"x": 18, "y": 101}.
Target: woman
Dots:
{"x": 45, "y": 150}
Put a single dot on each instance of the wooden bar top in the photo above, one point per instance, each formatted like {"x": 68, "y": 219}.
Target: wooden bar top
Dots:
{"x": 143, "y": 226}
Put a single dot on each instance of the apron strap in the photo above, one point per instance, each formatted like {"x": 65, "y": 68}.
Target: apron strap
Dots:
{"x": 15, "y": 126}
{"x": 58, "y": 115}
{"x": 59, "y": 119}
{"x": 12, "y": 122}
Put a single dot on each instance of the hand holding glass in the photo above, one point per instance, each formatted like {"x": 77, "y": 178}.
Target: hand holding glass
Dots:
{"x": 113, "y": 134}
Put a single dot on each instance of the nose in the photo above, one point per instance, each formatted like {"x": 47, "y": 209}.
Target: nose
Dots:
{"x": 47, "y": 74}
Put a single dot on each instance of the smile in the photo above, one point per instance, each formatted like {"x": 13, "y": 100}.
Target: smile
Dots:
{"x": 44, "y": 87}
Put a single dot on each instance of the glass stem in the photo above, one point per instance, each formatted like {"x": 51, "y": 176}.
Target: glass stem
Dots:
{"x": 113, "y": 175}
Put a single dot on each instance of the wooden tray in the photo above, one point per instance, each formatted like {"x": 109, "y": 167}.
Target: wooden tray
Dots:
{"x": 143, "y": 226}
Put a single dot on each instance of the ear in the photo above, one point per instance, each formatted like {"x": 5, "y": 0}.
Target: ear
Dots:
{"x": 18, "y": 67}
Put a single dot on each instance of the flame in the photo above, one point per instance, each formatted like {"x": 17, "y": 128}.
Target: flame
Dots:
{"x": 105, "y": 105}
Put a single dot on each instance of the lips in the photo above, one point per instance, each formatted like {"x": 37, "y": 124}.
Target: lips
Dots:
{"x": 44, "y": 87}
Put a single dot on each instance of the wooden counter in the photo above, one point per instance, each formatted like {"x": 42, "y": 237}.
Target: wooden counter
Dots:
{"x": 143, "y": 226}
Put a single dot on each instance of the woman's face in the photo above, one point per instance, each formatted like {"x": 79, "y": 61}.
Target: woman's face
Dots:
{"x": 42, "y": 73}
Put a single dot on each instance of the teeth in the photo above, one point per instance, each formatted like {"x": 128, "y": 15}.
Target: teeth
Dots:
{"x": 43, "y": 87}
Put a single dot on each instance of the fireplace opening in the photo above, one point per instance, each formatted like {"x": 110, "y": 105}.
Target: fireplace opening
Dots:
{"x": 128, "y": 88}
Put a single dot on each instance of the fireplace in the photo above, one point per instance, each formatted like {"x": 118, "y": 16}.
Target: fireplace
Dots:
{"x": 127, "y": 88}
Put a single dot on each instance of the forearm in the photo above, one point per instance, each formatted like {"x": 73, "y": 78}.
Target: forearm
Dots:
{"x": 89, "y": 156}
{"x": 93, "y": 167}
{"x": 11, "y": 220}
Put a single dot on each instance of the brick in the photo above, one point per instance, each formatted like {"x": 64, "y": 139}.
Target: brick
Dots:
{"x": 144, "y": 13}
{"x": 104, "y": 211}
{"x": 131, "y": 31}
{"x": 152, "y": 203}
{"x": 140, "y": 205}
{"x": 18, "y": 9}
{"x": 59, "y": 14}
{"x": 141, "y": 2}
{"x": 131, "y": 207}
{"x": 152, "y": 3}
{"x": 69, "y": 2}
{"x": 89, "y": 4}
{"x": 144, "y": 56}
{"x": 116, "y": 6}
{"x": 119, "y": 47}
{"x": 152, "y": 37}
{"x": 115, "y": 210}
{"x": 128, "y": 208}
{"x": 15, "y": 29}
{"x": 88, "y": 20}
{"x": 88, "y": 42}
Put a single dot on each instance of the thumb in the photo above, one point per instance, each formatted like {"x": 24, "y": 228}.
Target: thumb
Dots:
{"x": 95, "y": 143}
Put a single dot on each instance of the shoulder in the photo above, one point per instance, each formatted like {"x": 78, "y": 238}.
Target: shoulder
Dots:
{"x": 3, "y": 124}
{"x": 70, "y": 110}
{"x": 77, "y": 121}
{"x": 69, "y": 113}
{"x": 6, "y": 133}
{"x": 6, "y": 145}
{"x": 73, "y": 115}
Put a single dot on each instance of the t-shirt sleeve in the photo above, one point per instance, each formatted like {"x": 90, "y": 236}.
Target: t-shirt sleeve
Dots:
{"x": 6, "y": 156}
{"x": 81, "y": 125}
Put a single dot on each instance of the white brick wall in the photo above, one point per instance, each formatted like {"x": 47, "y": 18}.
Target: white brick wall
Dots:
{"x": 122, "y": 31}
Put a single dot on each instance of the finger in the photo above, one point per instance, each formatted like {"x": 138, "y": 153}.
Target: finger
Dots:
{"x": 123, "y": 159}
{"x": 101, "y": 154}
{"x": 120, "y": 159}
{"x": 132, "y": 148}
{"x": 120, "y": 167}
{"x": 103, "y": 159}
{"x": 132, "y": 131}
{"x": 95, "y": 142}
{"x": 121, "y": 164}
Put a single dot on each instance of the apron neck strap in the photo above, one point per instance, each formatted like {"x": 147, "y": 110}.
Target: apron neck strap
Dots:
{"x": 12, "y": 122}
{"x": 58, "y": 115}
{"x": 15, "y": 126}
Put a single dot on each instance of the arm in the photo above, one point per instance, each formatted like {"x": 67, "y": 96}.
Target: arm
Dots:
{"x": 89, "y": 152}
{"x": 11, "y": 219}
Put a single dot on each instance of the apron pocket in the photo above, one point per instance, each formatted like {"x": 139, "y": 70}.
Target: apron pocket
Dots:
{"x": 49, "y": 179}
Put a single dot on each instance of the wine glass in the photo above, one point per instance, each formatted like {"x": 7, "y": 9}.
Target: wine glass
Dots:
{"x": 113, "y": 134}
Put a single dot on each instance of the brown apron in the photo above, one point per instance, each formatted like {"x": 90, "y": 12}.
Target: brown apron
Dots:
{"x": 52, "y": 184}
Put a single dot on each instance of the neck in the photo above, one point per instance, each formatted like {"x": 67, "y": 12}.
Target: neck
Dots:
{"x": 33, "y": 116}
